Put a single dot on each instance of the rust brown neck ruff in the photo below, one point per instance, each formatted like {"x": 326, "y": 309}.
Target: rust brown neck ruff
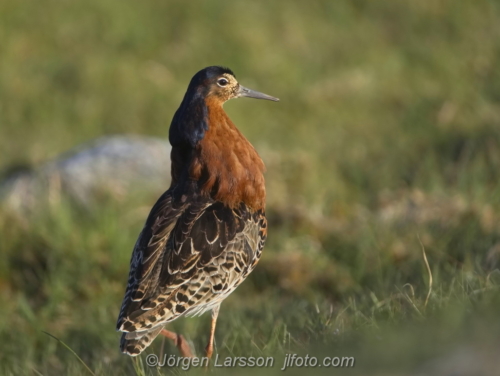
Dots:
{"x": 209, "y": 154}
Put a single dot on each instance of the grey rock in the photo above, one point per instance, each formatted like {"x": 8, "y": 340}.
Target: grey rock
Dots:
{"x": 113, "y": 165}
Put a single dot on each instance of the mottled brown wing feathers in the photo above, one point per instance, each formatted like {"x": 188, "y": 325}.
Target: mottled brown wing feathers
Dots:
{"x": 148, "y": 250}
{"x": 188, "y": 257}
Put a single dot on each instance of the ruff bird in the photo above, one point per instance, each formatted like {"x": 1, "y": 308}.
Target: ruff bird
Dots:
{"x": 205, "y": 234}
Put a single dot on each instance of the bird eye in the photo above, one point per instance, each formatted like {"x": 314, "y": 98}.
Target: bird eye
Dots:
{"x": 222, "y": 82}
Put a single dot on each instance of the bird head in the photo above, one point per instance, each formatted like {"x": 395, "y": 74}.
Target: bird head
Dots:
{"x": 220, "y": 84}
{"x": 209, "y": 88}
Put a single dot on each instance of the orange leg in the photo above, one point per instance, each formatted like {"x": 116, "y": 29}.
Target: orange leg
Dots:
{"x": 210, "y": 346}
{"x": 180, "y": 342}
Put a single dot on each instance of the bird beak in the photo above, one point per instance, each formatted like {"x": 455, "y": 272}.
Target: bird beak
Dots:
{"x": 246, "y": 92}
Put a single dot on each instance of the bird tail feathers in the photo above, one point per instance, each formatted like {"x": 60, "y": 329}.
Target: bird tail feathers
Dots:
{"x": 134, "y": 343}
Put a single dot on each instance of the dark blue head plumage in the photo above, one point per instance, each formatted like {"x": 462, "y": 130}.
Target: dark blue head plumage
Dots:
{"x": 208, "y": 75}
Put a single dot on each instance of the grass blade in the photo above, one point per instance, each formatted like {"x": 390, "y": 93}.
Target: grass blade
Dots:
{"x": 73, "y": 352}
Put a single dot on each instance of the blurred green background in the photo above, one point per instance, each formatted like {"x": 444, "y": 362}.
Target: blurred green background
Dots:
{"x": 386, "y": 142}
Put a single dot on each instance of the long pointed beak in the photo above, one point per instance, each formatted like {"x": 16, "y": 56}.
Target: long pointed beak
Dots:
{"x": 246, "y": 92}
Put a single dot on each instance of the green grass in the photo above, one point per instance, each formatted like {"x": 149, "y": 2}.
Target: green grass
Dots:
{"x": 388, "y": 131}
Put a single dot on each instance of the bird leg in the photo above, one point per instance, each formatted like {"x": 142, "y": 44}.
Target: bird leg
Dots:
{"x": 210, "y": 346}
{"x": 180, "y": 342}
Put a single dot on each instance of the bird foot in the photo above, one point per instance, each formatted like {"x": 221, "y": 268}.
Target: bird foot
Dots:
{"x": 180, "y": 342}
